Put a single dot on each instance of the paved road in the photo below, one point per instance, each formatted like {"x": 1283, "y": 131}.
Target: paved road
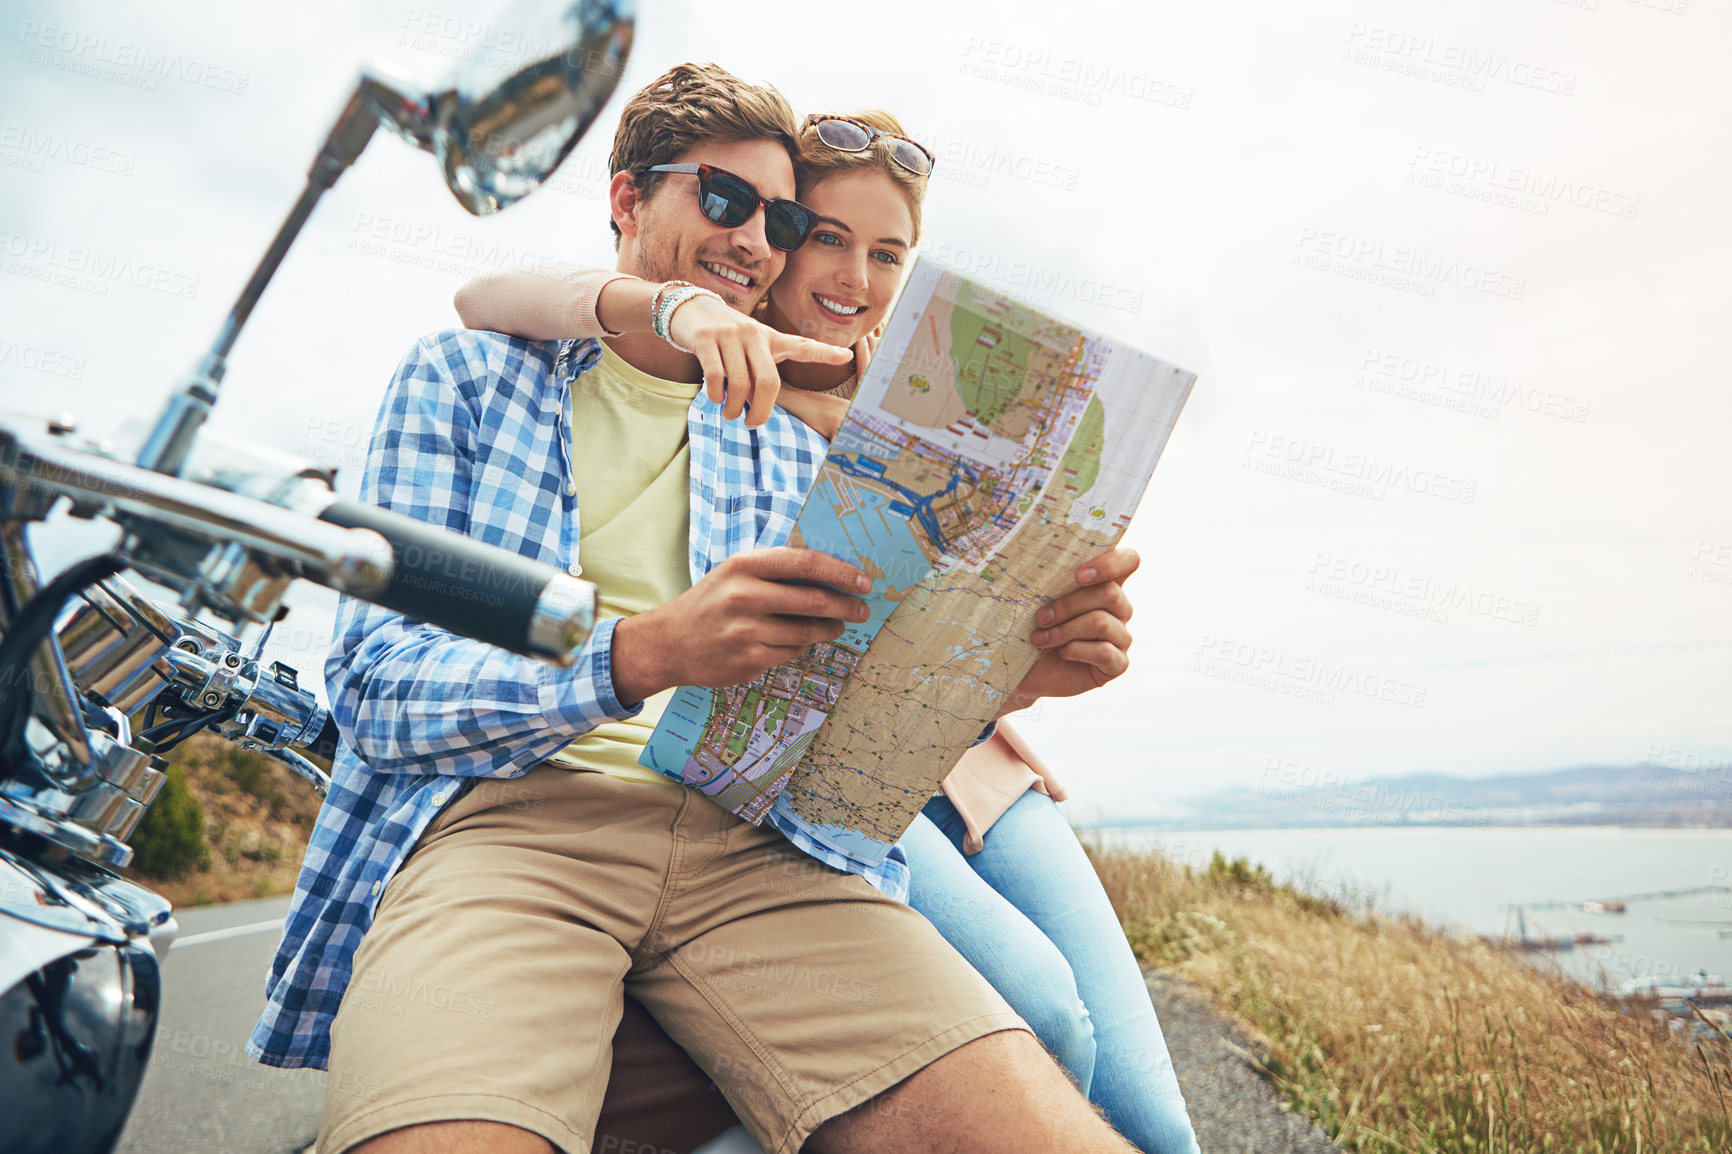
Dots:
{"x": 202, "y": 1094}
{"x": 1233, "y": 1108}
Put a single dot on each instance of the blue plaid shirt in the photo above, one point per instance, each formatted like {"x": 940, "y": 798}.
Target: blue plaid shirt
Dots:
{"x": 473, "y": 435}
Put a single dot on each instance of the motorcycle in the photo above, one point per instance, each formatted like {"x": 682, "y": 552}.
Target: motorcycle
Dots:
{"x": 99, "y": 680}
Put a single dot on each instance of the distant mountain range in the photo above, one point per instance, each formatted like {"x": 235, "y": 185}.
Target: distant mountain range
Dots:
{"x": 1295, "y": 797}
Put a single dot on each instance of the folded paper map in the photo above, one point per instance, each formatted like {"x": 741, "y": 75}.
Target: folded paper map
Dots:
{"x": 990, "y": 451}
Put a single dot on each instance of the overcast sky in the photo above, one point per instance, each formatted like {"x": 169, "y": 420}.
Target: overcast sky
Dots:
{"x": 1449, "y": 275}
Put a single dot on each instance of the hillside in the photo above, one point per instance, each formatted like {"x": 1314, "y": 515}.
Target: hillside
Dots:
{"x": 1398, "y": 1038}
{"x": 1291, "y": 797}
{"x": 253, "y": 817}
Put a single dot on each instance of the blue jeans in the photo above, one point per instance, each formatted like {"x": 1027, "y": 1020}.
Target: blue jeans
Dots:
{"x": 1028, "y": 912}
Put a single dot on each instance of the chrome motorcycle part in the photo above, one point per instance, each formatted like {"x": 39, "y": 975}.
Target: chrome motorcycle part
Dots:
{"x": 498, "y": 133}
{"x": 477, "y": 590}
{"x": 358, "y": 563}
{"x": 112, "y": 643}
{"x": 80, "y": 947}
{"x": 55, "y": 696}
{"x": 502, "y": 129}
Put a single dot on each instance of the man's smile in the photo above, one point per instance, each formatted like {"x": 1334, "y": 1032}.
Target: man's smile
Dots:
{"x": 729, "y": 273}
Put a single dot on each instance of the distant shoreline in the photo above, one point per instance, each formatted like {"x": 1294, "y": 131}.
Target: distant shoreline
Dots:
{"x": 1290, "y": 795}
{"x": 1222, "y": 827}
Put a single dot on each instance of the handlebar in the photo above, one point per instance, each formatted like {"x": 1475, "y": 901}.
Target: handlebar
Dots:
{"x": 350, "y": 562}
{"x": 420, "y": 570}
{"x": 475, "y": 590}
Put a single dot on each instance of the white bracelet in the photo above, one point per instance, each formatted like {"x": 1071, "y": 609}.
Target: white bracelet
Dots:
{"x": 672, "y": 295}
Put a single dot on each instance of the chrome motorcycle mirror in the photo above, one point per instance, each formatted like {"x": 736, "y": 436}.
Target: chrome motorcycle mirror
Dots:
{"x": 503, "y": 126}
{"x": 498, "y": 128}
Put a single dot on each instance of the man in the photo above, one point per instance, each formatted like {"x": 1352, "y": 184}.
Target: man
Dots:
{"x": 492, "y": 871}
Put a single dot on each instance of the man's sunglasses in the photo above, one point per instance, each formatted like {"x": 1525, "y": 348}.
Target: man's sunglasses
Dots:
{"x": 845, "y": 134}
{"x": 727, "y": 200}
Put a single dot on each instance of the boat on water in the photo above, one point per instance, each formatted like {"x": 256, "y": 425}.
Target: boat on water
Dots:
{"x": 1544, "y": 942}
{"x": 1700, "y": 988}
{"x": 1547, "y": 943}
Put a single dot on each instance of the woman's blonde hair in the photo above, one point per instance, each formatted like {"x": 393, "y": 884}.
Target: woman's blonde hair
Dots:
{"x": 816, "y": 162}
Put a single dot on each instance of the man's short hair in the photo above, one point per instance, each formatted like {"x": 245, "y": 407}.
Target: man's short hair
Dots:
{"x": 690, "y": 103}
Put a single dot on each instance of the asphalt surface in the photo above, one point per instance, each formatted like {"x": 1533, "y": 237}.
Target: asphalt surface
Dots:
{"x": 203, "y": 1095}
{"x": 1233, "y": 1108}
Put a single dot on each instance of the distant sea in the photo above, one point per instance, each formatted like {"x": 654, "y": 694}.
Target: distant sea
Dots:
{"x": 1470, "y": 878}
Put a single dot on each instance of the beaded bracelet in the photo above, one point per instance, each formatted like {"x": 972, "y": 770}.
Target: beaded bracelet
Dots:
{"x": 668, "y": 299}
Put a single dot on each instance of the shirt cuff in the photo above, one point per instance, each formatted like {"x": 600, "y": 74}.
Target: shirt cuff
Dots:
{"x": 583, "y": 696}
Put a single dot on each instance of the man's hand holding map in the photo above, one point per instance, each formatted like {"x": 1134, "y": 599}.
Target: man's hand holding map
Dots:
{"x": 989, "y": 453}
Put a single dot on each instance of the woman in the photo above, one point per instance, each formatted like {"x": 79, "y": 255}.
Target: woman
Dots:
{"x": 1024, "y": 907}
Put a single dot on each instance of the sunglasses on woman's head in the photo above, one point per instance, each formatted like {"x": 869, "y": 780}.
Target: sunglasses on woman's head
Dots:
{"x": 845, "y": 134}
{"x": 729, "y": 201}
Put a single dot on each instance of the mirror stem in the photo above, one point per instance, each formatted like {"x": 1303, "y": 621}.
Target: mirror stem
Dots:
{"x": 166, "y": 449}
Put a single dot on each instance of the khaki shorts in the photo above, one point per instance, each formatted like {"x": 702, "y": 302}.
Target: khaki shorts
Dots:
{"x": 490, "y": 984}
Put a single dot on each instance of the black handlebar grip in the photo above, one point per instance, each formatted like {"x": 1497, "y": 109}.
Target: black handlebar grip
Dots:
{"x": 476, "y": 590}
{"x": 325, "y": 743}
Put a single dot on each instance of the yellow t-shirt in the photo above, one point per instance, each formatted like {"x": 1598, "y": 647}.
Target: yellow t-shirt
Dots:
{"x": 632, "y": 465}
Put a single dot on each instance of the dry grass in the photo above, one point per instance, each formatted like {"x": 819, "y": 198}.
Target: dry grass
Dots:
{"x": 1396, "y": 1037}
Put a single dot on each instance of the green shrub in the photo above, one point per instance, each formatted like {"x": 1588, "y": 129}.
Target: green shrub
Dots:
{"x": 169, "y": 841}
{"x": 1239, "y": 872}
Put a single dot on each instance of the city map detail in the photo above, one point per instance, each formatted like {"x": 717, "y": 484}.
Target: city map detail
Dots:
{"x": 989, "y": 452}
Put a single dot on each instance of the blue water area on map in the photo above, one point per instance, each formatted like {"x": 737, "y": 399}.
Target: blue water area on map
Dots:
{"x": 852, "y": 842}
{"x": 669, "y": 748}
{"x": 875, "y": 528}
{"x": 913, "y": 506}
